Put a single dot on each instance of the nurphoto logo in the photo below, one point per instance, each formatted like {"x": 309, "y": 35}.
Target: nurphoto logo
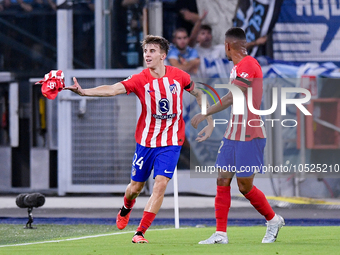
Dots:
{"x": 239, "y": 104}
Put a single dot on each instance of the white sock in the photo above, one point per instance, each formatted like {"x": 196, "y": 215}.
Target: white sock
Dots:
{"x": 274, "y": 220}
{"x": 221, "y": 233}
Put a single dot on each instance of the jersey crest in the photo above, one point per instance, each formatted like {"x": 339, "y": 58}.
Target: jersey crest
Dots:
{"x": 173, "y": 88}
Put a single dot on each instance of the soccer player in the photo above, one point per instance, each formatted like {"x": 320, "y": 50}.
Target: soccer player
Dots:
{"x": 242, "y": 145}
{"x": 160, "y": 128}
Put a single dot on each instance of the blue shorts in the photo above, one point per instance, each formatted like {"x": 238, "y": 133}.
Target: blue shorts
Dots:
{"x": 242, "y": 157}
{"x": 162, "y": 160}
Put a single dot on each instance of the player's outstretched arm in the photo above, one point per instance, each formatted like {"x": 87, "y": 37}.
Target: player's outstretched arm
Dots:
{"x": 205, "y": 133}
{"x": 100, "y": 91}
{"x": 226, "y": 100}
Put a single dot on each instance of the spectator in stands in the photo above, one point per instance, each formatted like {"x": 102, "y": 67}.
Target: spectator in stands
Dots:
{"x": 6, "y": 4}
{"x": 181, "y": 55}
{"x": 52, "y": 4}
{"x": 213, "y": 61}
{"x": 220, "y": 14}
{"x": 182, "y": 7}
{"x": 27, "y": 5}
{"x": 83, "y": 36}
{"x": 2, "y": 3}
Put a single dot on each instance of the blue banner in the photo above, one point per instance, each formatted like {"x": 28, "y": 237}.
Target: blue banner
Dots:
{"x": 308, "y": 30}
{"x": 257, "y": 18}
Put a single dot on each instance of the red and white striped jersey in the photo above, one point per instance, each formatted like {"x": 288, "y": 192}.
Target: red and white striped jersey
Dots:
{"x": 161, "y": 122}
{"x": 247, "y": 73}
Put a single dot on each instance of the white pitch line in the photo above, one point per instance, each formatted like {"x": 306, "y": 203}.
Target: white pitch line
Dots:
{"x": 78, "y": 238}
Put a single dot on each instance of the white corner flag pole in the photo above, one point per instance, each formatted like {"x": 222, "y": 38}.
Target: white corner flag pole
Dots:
{"x": 176, "y": 207}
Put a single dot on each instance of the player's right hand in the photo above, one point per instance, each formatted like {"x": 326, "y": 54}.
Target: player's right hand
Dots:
{"x": 76, "y": 88}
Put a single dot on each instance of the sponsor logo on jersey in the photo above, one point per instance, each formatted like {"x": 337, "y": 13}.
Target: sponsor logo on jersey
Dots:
{"x": 163, "y": 117}
{"x": 244, "y": 75}
{"x": 163, "y": 105}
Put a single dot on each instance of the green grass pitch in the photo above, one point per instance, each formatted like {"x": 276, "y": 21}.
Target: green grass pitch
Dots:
{"x": 242, "y": 240}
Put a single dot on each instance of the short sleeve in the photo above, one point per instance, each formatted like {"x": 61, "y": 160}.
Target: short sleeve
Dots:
{"x": 186, "y": 82}
{"x": 173, "y": 53}
{"x": 244, "y": 75}
{"x": 131, "y": 83}
{"x": 193, "y": 54}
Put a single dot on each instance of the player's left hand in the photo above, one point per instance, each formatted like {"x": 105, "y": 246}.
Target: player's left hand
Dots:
{"x": 197, "y": 119}
{"x": 205, "y": 133}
